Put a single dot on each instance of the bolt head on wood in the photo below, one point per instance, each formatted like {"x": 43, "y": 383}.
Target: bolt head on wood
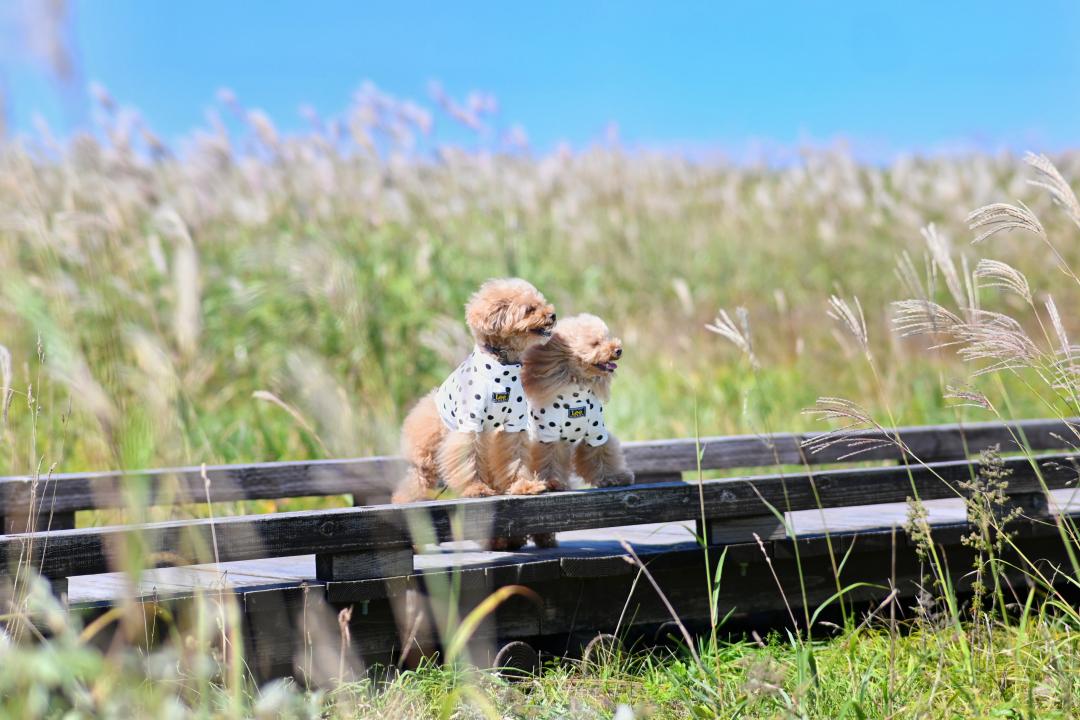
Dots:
{"x": 516, "y": 661}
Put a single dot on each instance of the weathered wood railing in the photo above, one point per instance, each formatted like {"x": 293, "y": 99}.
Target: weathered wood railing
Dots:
{"x": 377, "y": 541}
{"x": 51, "y": 501}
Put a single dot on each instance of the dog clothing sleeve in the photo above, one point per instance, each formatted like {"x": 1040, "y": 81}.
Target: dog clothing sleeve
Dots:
{"x": 483, "y": 395}
{"x": 596, "y": 433}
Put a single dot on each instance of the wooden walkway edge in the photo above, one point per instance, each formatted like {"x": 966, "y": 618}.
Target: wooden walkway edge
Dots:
{"x": 396, "y": 562}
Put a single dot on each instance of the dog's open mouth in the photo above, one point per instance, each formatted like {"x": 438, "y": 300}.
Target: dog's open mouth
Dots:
{"x": 542, "y": 332}
{"x": 606, "y": 366}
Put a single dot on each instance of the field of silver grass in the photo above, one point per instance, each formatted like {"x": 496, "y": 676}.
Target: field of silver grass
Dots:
{"x": 251, "y": 295}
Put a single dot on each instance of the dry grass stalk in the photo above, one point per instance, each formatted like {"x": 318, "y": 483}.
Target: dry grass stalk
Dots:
{"x": 923, "y": 317}
{"x": 737, "y": 333}
{"x": 344, "y": 618}
{"x": 994, "y": 273}
{"x": 7, "y": 391}
{"x": 909, "y": 277}
{"x": 1059, "y": 328}
{"x": 635, "y": 560}
{"x": 850, "y": 315}
{"x": 997, "y": 337}
{"x": 1000, "y": 217}
{"x": 860, "y": 432}
{"x": 968, "y": 397}
{"x": 1052, "y": 181}
{"x": 941, "y": 253}
{"x": 295, "y": 414}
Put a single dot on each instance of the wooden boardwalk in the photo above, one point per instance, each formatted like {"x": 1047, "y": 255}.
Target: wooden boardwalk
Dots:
{"x": 649, "y": 538}
{"x": 288, "y": 569}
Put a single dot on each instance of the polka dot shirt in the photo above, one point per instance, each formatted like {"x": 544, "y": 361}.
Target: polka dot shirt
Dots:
{"x": 483, "y": 395}
{"x": 575, "y": 415}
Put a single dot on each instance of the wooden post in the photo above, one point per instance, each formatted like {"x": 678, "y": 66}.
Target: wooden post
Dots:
{"x": 59, "y": 588}
{"x": 391, "y": 561}
{"x": 1033, "y": 506}
{"x": 363, "y": 498}
{"x": 732, "y": 531}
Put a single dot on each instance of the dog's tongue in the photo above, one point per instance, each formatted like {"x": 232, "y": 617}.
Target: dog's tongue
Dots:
{"x": 610, "y": 366}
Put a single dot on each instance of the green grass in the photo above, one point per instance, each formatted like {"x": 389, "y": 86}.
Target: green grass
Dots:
{"x": 864, "y": 674}
{"x": 930, "y": 670}
{"x": 151, "y": 308}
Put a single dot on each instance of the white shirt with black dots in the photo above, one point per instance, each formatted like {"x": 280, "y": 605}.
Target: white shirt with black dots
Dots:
{"x": 483, "y": 395}
{"x": 574, "y": 415}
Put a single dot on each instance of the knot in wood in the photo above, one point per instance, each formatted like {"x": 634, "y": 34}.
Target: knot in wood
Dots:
{"x": 631, "y": 500}
{"x": 327, "y": 528}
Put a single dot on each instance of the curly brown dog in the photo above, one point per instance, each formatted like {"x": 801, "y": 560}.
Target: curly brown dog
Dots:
{"x": 471, "y": 432}
{"x": 567, "y": 380}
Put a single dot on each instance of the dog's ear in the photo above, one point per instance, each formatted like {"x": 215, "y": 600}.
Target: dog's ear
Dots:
{"x": 546, "y": 370}
{"x": 489, "y": 318}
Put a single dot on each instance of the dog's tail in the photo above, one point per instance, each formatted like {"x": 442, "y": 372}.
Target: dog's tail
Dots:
{"x": 421, "y": 435}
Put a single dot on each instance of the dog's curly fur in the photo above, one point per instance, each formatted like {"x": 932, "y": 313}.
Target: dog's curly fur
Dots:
{"x": 507, "y": 316}
{"x": 581, "y": 351}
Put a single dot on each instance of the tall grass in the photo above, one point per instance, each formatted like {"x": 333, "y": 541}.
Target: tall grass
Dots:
{"x": 252, "y": 295}
{"x": 167, "y": 286}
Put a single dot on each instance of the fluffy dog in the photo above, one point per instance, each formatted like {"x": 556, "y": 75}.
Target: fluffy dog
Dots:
{"x": 471, "y": 432}
{"x": 567, "y": 380}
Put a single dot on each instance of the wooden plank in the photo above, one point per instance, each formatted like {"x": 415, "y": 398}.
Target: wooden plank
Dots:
{"x": 588, "y": 566}
{"x": 742, "y": 530}
{"x": 19, "y": 522}
{"x": 75, "y": 552}
{"x": 366, "y": 564}
{"x": 375, "y": 476}
{"x": 372, "y": 479}
{"x": 926, "y": 443}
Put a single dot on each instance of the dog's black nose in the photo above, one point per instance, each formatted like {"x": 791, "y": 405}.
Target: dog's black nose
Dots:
{"x": 618, "y": 353}
{"x": 551, "y": 317}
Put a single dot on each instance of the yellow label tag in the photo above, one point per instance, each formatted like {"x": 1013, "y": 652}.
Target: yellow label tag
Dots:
{"x": 576, "y": 412}
{"x": 500, "y": 397}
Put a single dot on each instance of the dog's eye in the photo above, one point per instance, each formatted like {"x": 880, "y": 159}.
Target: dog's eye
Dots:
{"x": 530, "y": 310}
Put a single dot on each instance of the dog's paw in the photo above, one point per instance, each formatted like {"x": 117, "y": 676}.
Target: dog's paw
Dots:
{"x": 545, "y": 540}
{"x": 527, "y": 486}
{"x": 505, "y": 544}
{"x": 554, "y": 484}
{"x": 476, "y": 489}
{"x": 615, "y": 479}
{"x": 412, "y": 494}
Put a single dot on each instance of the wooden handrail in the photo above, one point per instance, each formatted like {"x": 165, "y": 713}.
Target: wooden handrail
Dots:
{"x": 66, "y": 553}
{"x": 377, "y": 476}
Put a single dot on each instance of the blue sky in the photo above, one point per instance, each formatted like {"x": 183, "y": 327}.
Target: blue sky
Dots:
{"x": 698, "y": 76}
